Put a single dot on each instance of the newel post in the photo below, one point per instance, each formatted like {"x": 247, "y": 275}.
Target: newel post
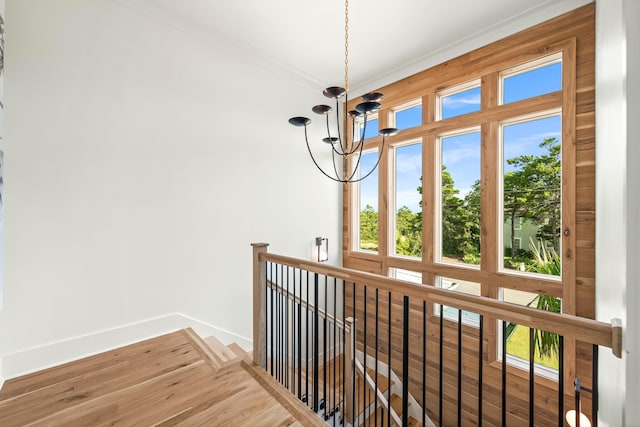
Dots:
{"x": 259, "y": 305}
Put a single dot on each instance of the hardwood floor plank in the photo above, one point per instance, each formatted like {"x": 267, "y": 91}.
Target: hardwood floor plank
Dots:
{"x": 47, "y": 377}
{"x": 163, "y": 381}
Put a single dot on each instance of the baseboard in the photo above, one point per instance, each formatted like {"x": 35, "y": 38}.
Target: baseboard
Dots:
{"x": 52, "y": 354}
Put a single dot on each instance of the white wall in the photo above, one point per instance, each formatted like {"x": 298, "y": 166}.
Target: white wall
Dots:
{"x": 141, "y": 162}
{"x": 618, "y": 199}
{"x": 631, "y": 14}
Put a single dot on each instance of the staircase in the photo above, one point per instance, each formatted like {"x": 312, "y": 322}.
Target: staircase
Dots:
{"x": 219, "y": 355}
{"x": 368, "y": 410}
{"x": 372, "y": 413}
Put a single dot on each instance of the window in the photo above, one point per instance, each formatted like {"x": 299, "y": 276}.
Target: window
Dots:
{"x": 408, "y": 199}
{"x": 532, "y": 79}
{"x": 372, "y": 127}
{"x": 458, "y": 203}
{"x": 500, "y": 147}
{"x": 408, "y": 115}
{"x": 459, "y": 100}
{"x": 368, "y": 204}
{"x": 518, "y": 337}
{"x": 518, "y": 224}
{"x": 452, "y": 313}
{"x": 531, "y": 188}
{"x": 406, "y": 275}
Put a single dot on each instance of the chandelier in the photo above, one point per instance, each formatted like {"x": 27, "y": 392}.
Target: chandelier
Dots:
{"x": 348, "y": 149}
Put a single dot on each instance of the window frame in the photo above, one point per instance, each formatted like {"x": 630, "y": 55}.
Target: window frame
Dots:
{"x": 427, "y": 85}
{"x": 392, "y": 195}
{"x": 500, "y": 200}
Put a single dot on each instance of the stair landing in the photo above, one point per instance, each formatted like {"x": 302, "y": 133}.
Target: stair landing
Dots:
{"x": 168, "y": 380}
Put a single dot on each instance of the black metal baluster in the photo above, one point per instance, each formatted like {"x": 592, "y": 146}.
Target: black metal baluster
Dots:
{"x": 355, "y": 405}
{"x": 335, "y": 320}
{"x": 405, "y": 362}
{"x": 272, "y": 330}
{"x": 286, "y": 329}
{"x": 306, "y": 348}
{"x": 300, "y": 338}
{"x": 440, "y": 414}
{"x": 577, "y": 402}
{"x": 389, "y": 357}
{"x": 459, "y": 368}
{"x": 594, "y": 387}
{"x": 315, "y": 343}
{"x": 294, "y": 336}
{"x": 424, "y": 362}
{"x": 504, "y": 373}
{"x": 480, "y": 363}
{"x": 344, "y": 343}
{"x": 376, "y": 369}
{"x": 324, "y": 352}
{"x": 532, "y": 405}
{"x": 561, "y": 381}
{"x": 266, "y": 315}
{"x": 282, "y": 302}
{"x": 277, "y": 291}
{"x": 364, "y": 357}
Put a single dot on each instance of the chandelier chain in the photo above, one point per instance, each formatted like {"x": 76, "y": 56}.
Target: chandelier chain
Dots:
{"x": 346, "y": 44}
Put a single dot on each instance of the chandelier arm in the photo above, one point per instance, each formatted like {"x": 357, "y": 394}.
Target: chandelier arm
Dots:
{"x": 335, "y": 167}
{"x": 355, "y": 169}
{"x": 358, "y": 146}
{"x": 316, "y": 163}
{"x": 333, "y": 146}
{"x": 372, "y": 169}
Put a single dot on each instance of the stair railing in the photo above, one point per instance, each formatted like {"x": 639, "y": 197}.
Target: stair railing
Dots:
{"x": 422, "y": 334}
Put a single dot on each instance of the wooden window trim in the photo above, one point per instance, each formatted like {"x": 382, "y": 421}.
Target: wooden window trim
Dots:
{"x": 429, "y": 86}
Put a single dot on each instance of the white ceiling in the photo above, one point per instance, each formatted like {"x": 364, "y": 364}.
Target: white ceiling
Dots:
{"x": 307, "y": 37}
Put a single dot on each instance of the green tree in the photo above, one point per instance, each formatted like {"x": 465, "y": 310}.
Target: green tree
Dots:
{"x": 453, "y": 218}
{"x": 532, "y": 191}
{"x": 517, "y": 201}
{"x": 408, "y": 232}
{"x": 471, "y": 213}
{"x": 369, "y": 228}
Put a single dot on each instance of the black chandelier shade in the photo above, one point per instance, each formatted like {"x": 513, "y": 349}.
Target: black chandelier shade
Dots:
{"x": 340, "y": 145}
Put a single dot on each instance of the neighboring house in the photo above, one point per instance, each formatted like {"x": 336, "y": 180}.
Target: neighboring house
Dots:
{"x": 525, "y": 232}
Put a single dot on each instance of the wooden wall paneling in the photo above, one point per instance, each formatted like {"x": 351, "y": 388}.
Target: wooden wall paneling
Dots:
{"x": 568, "y": 229}
{"x": 572, "y": 33}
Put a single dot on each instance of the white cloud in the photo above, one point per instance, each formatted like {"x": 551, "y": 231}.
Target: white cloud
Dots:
{"x": 527, "y": 144}
{"x": 409, "y": 198}
{"x": 455, "y": 155}
{"x": 453, "y": 102}
{"x": 407, "y": 164}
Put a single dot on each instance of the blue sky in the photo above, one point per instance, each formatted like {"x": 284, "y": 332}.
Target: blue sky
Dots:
{"x": 461, "y": 153}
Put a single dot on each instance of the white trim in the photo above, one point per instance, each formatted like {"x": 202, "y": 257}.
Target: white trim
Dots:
{"x": 392, "y": 193}
{"x": 437, "y": 176}
{"x": 55, "y": 353}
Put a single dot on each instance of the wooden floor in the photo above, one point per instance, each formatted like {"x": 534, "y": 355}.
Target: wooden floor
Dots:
{"x": 170, "y": 380}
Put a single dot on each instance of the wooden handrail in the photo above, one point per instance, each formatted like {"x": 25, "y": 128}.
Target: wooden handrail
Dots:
{"x": 579, "y": 328}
